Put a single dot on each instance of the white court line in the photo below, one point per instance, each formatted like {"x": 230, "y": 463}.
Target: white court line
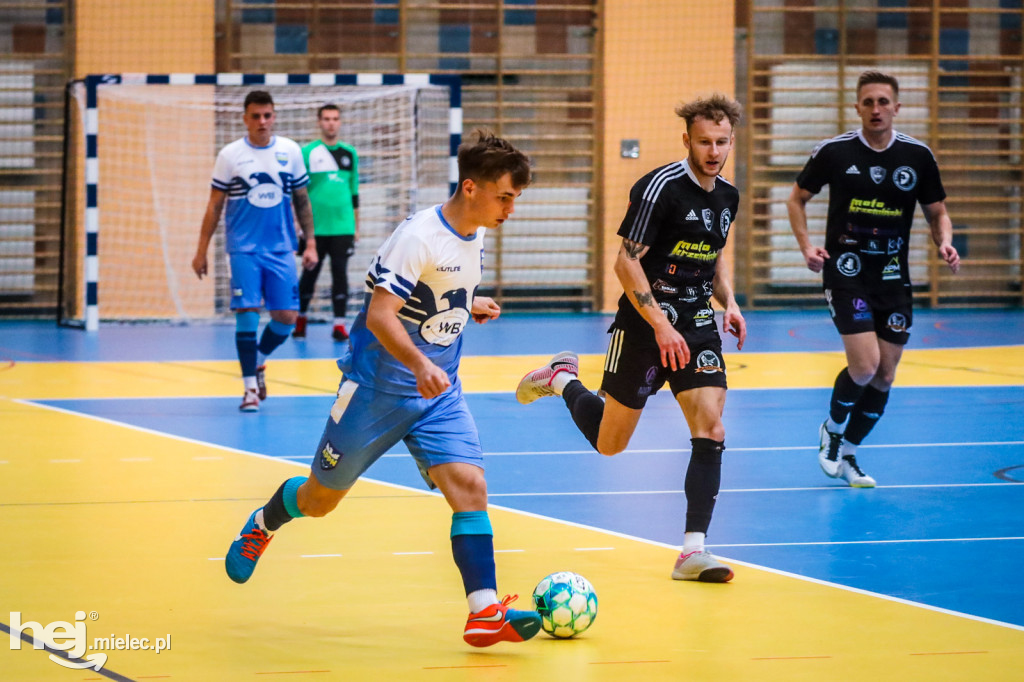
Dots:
{"x": 549, "y": 519}
{"x": 752, "y": 490}
{"x": 779, "y": 448}
{"x": 866, "y": 542}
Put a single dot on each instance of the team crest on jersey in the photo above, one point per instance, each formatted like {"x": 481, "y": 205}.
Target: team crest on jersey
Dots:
{"x": 877, "y": 174}
{"x": 897, "y": 322}
{"x": 724, "y": 222}
{"x": 848, "y": 264}
{"x": 708, "y": 362}
{"x": 709, "y": 218}
{"x": 281, "y": 157}
{"x": 905, "y": 178}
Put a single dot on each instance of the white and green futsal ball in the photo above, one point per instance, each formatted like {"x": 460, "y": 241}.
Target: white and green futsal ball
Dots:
{"x": 566, "y": 603}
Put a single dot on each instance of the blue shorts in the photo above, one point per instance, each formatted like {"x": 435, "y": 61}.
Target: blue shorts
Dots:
{"x": 365, "y": 423}
{"x": 259, "y": 277}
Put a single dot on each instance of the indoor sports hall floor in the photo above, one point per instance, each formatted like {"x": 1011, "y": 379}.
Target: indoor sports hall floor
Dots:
{"x": 126, "y": 470}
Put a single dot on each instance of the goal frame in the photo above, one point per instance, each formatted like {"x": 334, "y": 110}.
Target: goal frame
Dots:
{"x": 91, "y": 176}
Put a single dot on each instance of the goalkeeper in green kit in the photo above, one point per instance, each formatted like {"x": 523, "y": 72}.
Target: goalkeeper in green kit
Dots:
{"x": 333, "y": 168}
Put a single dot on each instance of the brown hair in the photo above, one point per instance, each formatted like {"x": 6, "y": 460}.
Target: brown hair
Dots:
{"x": 327, "y": 107}
{"x": 258, "y": 97}
{"x": 485, "y": 157}
{"x": 869, "y": 77}
{"x": 714, "y": 108}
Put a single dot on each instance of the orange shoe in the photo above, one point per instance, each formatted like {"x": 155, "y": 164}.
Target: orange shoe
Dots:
{"x": 499, "y": 623}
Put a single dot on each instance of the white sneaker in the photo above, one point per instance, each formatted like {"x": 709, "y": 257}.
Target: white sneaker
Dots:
{"x": 700, "y": 565}
{"x": 828, "y": 451}
{"x": 537, "y": 384}
{"x": 250, "y": 401}
{"x": 849, "y": 470}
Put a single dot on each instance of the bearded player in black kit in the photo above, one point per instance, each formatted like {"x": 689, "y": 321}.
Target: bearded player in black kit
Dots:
{"x": 876, "y": 177}
{"x": 670, "y": 264}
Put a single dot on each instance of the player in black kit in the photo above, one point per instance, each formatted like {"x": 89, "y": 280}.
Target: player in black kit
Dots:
{"x": 670, "y": 264}
{"x": 876, "y": 177}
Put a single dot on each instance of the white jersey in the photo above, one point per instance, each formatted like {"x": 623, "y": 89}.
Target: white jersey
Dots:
{"x": 259, "y": 183}
{"x": 436, "y": 271}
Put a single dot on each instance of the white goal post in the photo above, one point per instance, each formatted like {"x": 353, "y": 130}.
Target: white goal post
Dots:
{"x": 145, "y": 157}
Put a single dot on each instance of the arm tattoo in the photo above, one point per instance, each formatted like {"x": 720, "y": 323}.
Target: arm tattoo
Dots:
{"x": 632, "y": 248}
{"x": 304, "y": 212}
{"x": 643, "y": 298}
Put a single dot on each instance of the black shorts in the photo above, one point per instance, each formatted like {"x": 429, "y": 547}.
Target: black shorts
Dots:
{"x": 888, "y": 314}
{"x": 633, "y": 370}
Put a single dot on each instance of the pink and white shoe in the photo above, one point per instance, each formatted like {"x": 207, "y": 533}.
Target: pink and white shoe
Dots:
{"x": 537, "y": 384}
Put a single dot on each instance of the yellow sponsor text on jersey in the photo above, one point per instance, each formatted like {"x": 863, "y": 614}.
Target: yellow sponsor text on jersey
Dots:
{"x": 694, "y": 250}
{"x": 873, "y": 207}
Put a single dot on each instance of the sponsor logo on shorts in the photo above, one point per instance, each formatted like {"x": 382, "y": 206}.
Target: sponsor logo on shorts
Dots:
{"x": 670, "y": 313}
{"x": 237, "y": 292}
{"x": 724, "y": 222}
{"x": 891, "y": 269}
{"x": 704, "y": 317}
{"x": 708, "y": 362}
{"x": 897, "y": 323}
{"x": 905, "y": 178}
{"x": 877, "y": 174}
{"x": 861, "y": 308}
{"x": 848, "y": 264}
{"x": 329, "y": 457}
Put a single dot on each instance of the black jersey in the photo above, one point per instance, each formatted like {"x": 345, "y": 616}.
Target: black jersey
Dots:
{"x": 872, "y": 198}
{"x": 685, "y": 227}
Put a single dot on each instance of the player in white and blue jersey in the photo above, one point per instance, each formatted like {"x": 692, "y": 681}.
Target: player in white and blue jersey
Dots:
{"x": 261, "y": 177}
{"x": 400, "y": 382}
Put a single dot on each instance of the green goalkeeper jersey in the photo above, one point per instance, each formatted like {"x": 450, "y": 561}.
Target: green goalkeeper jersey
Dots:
{"x": 333, "y": 186}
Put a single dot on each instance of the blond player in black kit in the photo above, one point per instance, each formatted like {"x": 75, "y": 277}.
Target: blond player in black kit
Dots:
{"x": 876, "y": 178}
{"x": 670, "y": 265}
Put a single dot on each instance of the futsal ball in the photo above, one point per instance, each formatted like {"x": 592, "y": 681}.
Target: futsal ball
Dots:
{"x": 566, "y": 603}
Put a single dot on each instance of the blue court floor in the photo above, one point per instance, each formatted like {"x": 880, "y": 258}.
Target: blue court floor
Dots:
{"x": 944, "y": 528}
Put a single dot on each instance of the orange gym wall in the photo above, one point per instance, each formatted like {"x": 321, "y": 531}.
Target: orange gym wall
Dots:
{"x": 144, "y": 36}
{"x": 148, "y": 36}
{"x": 656, "y": 54}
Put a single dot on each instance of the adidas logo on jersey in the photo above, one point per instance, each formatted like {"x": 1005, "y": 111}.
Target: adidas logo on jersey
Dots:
{"x": 852, "y": 170}
{"x": 691, "y": 215}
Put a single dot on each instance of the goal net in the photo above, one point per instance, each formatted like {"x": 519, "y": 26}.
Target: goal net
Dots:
{"x": 147, "y": 150}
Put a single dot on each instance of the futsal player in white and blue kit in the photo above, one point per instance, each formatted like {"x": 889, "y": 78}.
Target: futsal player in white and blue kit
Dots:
{"x": 400, "y": 382}
{"x": 260, "y": 177}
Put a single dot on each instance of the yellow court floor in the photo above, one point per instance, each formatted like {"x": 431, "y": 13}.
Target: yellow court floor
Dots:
{"x": 130, "y": 526}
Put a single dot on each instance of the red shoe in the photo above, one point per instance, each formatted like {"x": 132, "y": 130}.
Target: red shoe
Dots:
{"x": 261, "y": 382}
{"x": 339, "y": 333}
{"x": 300, "y": 327}
{"x": 499, "y": 623}
{"x": 250, "y": 402}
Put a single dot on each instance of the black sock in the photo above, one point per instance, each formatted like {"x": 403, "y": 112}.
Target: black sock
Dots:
{"x": 274, "y": 513}
{"x": 586, "y": 409}
{"x": 703, "y": 478}
{"x": 845, "y": 394}
{"x": 866, "y": 414}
